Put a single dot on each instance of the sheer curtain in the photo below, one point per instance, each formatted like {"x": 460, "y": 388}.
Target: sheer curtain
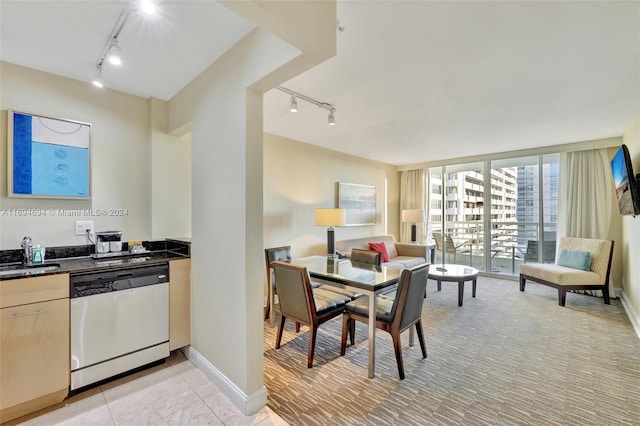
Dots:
{"x": 585, "y": 198}
{"x": 412, "y": 196}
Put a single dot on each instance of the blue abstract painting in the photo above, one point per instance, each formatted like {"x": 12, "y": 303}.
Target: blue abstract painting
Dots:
{"x": 50, "y": 157}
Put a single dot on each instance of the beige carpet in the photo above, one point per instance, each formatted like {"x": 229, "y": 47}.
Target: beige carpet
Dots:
{"x": 505, "y": 357}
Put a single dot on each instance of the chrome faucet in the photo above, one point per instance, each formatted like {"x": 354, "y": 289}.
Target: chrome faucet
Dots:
{"x": 27, "y": 245}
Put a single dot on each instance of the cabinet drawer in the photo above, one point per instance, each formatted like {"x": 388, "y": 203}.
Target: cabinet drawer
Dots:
{"x": 33, "y": 289}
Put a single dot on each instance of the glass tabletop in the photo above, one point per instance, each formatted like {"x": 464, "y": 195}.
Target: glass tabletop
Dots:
{"x": 453, "y": 271}
{"x": 355, "y": 274}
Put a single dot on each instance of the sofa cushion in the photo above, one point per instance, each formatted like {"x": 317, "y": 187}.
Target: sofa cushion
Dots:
{"x": 560, "y": 274}
{"x": 380, "y": 248}
{"x": 576, "y": 259}
{"x": 405, "y": 262}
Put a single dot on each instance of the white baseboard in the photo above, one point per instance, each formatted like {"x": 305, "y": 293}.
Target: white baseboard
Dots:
{"x": 248, "y": 404}
{"x": 633, "y": 315}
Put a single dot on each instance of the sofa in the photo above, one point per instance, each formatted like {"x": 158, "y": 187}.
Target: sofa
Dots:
{"x": 401, "y": 255}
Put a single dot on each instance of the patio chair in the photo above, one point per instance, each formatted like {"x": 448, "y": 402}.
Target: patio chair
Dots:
{"x": 451, "y": 246}
{"x": 548, "y": 251}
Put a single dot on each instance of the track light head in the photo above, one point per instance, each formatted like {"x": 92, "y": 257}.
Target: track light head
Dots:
{"x": 293, "y": 103}
{"x": 97, "y": 80}
{"x": 114, "y": 54}
{"x": 148, "y": 7}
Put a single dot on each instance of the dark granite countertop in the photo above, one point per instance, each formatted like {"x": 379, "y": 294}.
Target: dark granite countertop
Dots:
{"x": 88, "y": 263}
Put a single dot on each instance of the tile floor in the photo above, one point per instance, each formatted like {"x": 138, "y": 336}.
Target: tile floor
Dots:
{"x": 174, "y": 393}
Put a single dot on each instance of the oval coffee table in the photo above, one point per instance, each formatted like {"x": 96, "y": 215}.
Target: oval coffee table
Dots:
{"x": 454, "y": 273}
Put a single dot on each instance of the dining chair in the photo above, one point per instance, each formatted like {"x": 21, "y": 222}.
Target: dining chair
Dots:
{"x": 371, "y": 257}
{"x": 392, "y": 315}
{"x": 300, "y": 302}
{"x": 271, "y": 255}
{"x": 366, "y": 256}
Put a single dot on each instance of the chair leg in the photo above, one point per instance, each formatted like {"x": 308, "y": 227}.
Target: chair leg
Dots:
{"x": 312, "y": 345}
{"x": 268, "y": 307}
{"x": 396, "y": 347}
{"x": 605, "y": 295}
{"x": 345, "y": 330}
{"x": 352, "y": 328}
{"x": 522, "y": 282}
{"x": 421, "y": 338}
{"x": 562, "y": 296}
{"x": 297, "y": 327}
{"x": 280, "y": 330}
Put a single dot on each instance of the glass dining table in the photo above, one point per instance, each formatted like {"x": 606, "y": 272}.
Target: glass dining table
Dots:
{"x": 370, "y": 280}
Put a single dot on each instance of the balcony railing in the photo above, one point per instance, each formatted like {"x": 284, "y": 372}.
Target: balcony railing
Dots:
{"x": 508, "y": 242}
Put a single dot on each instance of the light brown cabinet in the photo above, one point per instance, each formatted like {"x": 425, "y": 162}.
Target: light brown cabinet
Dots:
{"x": 34, "y": 344}
{"x": 179, "y": 303}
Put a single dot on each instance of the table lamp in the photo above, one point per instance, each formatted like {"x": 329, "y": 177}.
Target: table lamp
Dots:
{"x": 331, "y": 218}
{"x": 413, "y": 216}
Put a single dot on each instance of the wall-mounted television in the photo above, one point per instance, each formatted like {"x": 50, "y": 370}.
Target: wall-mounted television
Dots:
{"x": 627, "y": 184}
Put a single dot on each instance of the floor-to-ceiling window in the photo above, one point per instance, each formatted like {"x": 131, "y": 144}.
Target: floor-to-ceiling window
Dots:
{"x": 495, "y": 215}
{"x": 456, "y": 213}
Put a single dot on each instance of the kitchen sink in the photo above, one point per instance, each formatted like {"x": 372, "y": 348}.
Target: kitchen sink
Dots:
{"x": 20, "y": 269}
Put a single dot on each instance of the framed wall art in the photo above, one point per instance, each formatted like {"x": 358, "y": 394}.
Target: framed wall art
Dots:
{"x": 359, "y": 201}
{"x": 48, "y": 157}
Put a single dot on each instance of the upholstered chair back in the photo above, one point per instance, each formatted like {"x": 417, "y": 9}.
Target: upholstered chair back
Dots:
{"x": 294, "y": 291}
{"x": 283, "y": 254}
{"x": 600, "y": 251}
{"x": 410, "y": 295}
{"x": 366, "y": 256}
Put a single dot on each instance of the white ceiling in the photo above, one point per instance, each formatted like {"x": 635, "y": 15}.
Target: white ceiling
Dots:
{"x": 413, "y": 81}
{"x": 418, "y": 81}
{"x": 161, "y": 53}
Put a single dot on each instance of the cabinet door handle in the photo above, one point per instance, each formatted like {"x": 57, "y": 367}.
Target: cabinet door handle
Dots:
{"x": 28, "y": 314}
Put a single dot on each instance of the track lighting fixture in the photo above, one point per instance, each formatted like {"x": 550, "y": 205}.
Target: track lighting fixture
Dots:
{"x": 97, "y": 80}
{"x": 114, "y": 54}
{"x": 332, "y": 118}
{"x": 111, "y": 49}
{"x": 293, "y": 105}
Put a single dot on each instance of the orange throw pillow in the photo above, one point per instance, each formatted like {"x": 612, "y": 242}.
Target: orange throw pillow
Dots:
{"x": 380, "y": 248}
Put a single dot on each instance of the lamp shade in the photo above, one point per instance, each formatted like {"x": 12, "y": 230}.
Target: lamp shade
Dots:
{"x": 331, "y": 217}
{"x": 413, "y": 216}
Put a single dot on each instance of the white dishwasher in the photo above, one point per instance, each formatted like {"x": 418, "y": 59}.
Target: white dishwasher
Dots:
{"x": 119, "y": 321}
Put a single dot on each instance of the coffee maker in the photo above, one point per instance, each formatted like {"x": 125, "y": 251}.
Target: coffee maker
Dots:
{"x": 108, "y": 241}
